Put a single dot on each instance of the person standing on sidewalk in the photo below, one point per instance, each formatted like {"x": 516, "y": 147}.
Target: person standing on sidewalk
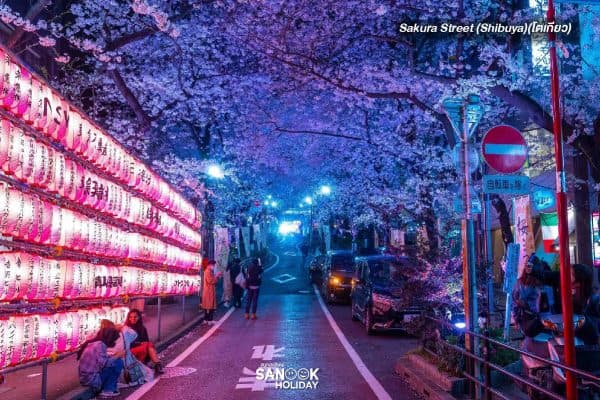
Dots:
{"x": 234, "y": 269}
{"x": 253, "y": 281}
{"x": 209, "y": 291}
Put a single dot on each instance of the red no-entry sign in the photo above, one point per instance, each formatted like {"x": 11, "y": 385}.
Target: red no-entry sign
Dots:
{"x": 504, "y": 149}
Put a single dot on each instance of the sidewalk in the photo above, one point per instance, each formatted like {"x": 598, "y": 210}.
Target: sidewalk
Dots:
{"x": 63, "y": 381}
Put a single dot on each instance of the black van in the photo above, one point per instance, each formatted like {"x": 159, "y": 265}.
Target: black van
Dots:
{"x": 376, "y": 295}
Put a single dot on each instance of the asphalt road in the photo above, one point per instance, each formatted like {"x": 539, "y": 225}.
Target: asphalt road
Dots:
{"x": 291, "y": 336}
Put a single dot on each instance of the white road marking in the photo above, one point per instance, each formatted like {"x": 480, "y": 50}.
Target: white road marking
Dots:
{"x": 284, "y": 278}
{"x": 377, "y": 388}
{"x": 266, "y": 352}
{"x": 274, "y": 265}
{"x": 145, "y": 388}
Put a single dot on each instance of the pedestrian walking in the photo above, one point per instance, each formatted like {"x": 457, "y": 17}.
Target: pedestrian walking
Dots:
{"x": 235, "y": 269}
{"x": 209, "y": 292}
{"x": 97, "y": 369}
{"x": 253, "y": 281}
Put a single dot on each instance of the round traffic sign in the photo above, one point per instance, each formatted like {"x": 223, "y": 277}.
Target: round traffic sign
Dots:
{"x": 504, "y": 149}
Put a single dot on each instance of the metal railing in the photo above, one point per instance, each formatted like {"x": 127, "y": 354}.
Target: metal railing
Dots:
{"x": 488, "y": 366}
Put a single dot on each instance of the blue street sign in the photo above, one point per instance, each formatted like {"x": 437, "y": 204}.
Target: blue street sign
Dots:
{"x": 475, "y": 205}
{"x": 506, "y": 184}
{"x": 543, "y": 198}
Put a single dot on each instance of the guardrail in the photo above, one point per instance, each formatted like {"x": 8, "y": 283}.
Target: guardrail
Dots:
{"x": 486, "y": 384}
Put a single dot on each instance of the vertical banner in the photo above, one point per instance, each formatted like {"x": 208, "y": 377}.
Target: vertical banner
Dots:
{"x": 510, "y": 278}
{"x": 397, "y": 238}
{"x": 257, "y": 237}
{"x": 221, "y": 256}
{"x": 523, "y": 230}
{"x": 327, "y": 237}
{"x": 246, "y": 239}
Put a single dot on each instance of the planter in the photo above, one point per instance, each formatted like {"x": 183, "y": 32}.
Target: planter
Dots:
{"x": 451, "y": 384}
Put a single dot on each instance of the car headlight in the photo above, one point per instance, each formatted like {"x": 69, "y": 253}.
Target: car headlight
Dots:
{"x": 334, "y": 280}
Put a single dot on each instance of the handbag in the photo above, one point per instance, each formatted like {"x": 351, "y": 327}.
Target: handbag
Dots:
{"x": 132, "y": 373}
{"x": 240, "y": 280}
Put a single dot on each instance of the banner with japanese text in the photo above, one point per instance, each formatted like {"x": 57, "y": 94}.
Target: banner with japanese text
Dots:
{"x": 523, "y": 230}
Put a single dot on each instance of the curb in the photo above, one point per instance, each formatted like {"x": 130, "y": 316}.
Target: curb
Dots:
{"x": 422, "y": 384}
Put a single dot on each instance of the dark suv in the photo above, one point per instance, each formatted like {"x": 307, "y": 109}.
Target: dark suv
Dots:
{"x": 337, "y": 276}
{"x": 377, "y": 293}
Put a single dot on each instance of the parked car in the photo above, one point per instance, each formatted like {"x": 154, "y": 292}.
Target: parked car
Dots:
{"x": 376, "y": 297}
{"x": 337, "y": 276}
{"x": 315, "y": 269}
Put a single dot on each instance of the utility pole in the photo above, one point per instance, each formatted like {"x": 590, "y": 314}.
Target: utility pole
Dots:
{"x": 465, "y": 116}
{"x": 561, "y": 209}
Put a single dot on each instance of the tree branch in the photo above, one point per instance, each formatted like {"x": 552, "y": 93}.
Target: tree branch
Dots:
{"x": 31, "y": 15}
{"x": 131, "y": 99}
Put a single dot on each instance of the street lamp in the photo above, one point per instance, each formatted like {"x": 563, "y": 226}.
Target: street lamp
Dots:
{"x": 325, "y": 190}
{"x": 215, "y": 171}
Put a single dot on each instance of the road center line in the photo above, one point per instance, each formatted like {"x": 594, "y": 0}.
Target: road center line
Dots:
{"x": 376, "y": 387}
{"x": 145, "y": 388}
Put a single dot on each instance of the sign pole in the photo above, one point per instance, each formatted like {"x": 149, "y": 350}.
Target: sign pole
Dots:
{"x": 561, "y": 209}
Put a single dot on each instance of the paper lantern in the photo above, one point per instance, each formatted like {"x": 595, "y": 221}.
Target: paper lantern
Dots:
{"x": 40, "y": 165}
{"x": 28, "y": 338}
{"x": 150, "y": 283}
{"x": 45, "y": 222}
{"x": 67, "y": 331}
{"x": 3, "y": 343}
{"x": 133, "y": 280}
{"x": 46, "y": 331}
{"x": 88, "y": 324}
{"x": 11, "y": 76}
{"x": 28, "y": 228}
{"x": 14, "y": 145}
{"x": 23, "y": 89}
{"x": 15, "y": 282}
{"x": 31, "y": 277}
{"x": 108, "y": 281}
{"x": 56, "y": 230}
{"x": 35, "y": 111}
{"x": 79, "y": 281}
{"x": 14, "y": 340}
{"x": 59, "y": 166}
{"x": 74, "y": 133}
{"x": 24, "y": 170}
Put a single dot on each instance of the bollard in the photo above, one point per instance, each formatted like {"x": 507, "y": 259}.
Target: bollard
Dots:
{"x": 158, "y": 325}
{"x": 44, "y": 379}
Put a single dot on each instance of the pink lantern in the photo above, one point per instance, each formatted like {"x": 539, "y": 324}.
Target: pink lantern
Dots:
{"x": 59, "y": 165}
{"x": 3, "y": 342}
{"x": 43, "y": 107}
{"x": 69, "y": 188}
{"x": 23, "y": 93}
{"x": 46, "y": 329}
{"x": 16, "y": 203}
{"x": 5, "y": 207}
{"x": 57, "y": 118}
{"x": 27, "y": 341}
{"x": 74, "y": 132}
{"x": 45, "y": 219}
{"x": 24, "y": 170}
{"x": 16, "y": 143}
{"x": 36, "y": 109}
{"x": 29, "y": 226}
{"x": 56, "y": 227}
{"x": 12, "y": 74}
{"x": 40, "y": 164}
{"x": 67, "y": 331}
{"x": 31, "y": 269}
{"x": 14, "y": 345}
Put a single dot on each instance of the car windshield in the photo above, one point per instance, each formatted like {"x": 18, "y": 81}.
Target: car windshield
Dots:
{"x": 383, "y": 271}
{"x": 342, "y": 263}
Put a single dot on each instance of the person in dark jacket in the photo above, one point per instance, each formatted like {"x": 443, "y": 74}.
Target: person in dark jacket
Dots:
{"x": 253, "y": 280}
{"x": 234, "y": 269}
{"x": 142, "y": 348}
{"x": 97, "y": 369}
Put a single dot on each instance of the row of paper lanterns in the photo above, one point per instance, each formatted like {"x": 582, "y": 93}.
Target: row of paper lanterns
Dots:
{"x": 25, "y": 276}
{"x": 37, "y": 164}
{"x": 32, "y": 100}
{"x": 27, "y": 217}
{"x": 28, "y": 337}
